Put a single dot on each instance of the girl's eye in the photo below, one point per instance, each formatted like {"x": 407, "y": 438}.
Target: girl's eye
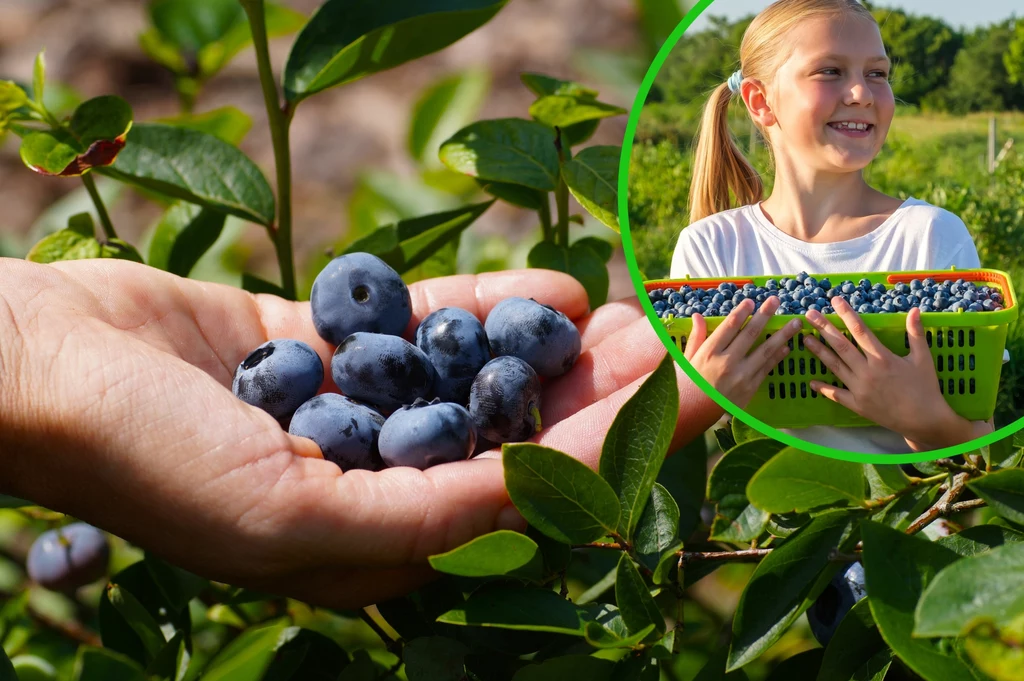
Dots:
{"x": 829, "y": 71}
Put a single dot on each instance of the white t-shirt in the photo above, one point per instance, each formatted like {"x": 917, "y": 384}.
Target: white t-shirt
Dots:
{"x": 743, "y": 242}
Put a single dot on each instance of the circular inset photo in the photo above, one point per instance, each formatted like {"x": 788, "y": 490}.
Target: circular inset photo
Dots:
{"x": 821, "y": 215}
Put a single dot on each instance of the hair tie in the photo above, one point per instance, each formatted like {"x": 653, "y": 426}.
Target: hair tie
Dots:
{"x": 734, "y": 82}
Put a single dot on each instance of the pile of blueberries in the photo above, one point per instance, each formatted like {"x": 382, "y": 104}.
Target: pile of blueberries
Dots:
{"x": 802, "y": 293}
{"x": 460, "y": 386}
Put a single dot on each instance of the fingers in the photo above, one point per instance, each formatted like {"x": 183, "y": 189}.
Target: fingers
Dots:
{"x": 773, "y": 350}
{"x": 751, "y": 333}
{"x": 827, "y": 357}
{"x": 698, "y": 335}
{"x": 868, "y": 341}
{"x": 840, "y": 395}
{"x": 608, "y": 319}
{"x": 841, "y": 346}
{"x": 726, "y": 333}
{"x": 918, "y": 342}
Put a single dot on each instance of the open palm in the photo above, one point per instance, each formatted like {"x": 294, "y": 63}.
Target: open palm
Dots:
{"x": 115, "y": 407}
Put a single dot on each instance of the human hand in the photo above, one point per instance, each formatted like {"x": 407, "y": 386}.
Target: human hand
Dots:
{"x": 723, "y": 359}
{"x": 115, "y": 407}
{"x": 871, "y": 371}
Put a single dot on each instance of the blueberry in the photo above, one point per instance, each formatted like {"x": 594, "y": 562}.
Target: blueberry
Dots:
{"x": 346, "y": 430}
{"x": 654, "y": 295}
{"x": 771, "y": 284}
{"x": 807, "y": 301}
{"x": 801, "y": 277}
{"x": 69, "y": 557}
{"x": 504, "y": 401}
{"x": 878, "y": 287}
{"x": 426, "y": 434}
{"x": 916, "y": 285}
{"x": 842, "y": 593}
{"x": 738, "y": 298}
{"x": 535, "y": 333}
{"x": 988, "y": 305}
{"x": 856, "y": 300}
{"x": 864, "y": 283}
{"x": 929, "y": 282}
{"x": 456, "y": 344}
{"x": 975, "y": 307}
{"x": 382, "y": 371}
{"x": 811, "y": 283}
{"x": 865, "y": 309}
{"x": 825, "y": 284}
{"x": 279, "y": 376}
{"x": 848, "y": 288}
{"x": 792, "y": 284}
{"x": 359, "y": 292}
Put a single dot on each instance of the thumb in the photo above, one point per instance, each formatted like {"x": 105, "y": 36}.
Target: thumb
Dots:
{"x": 698, "y": 334}
{"x": 918, "y": 342}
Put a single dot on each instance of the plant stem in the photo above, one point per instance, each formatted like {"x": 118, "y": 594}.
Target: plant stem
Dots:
{"x": 279, "y": 118}
{"x": 392, "y": 644}
{"x": 545, "y": 218}
{"x": 561, "y": 195}
{"x": 748, "y": 555}
{"x": 943, "y": 506}
{"x": 90, "y": 186}
{"x": 914, "y": 484}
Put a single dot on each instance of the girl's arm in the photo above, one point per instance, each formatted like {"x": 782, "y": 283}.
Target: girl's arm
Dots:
{"x": 954, "y": 431}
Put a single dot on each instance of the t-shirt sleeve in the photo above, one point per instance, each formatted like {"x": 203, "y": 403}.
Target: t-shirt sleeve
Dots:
{"x": 691, "y": 257}
{"x": 964, "y": 253}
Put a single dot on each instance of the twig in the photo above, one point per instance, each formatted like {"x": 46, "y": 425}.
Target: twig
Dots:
{"x": 746, "y": 556}
{"x": 951, "y": 465}
{"x": 967, "y": 505}
{"x": 73, "y": 630}
{"x": 601, "y": 545}
{"x": 942, "y": 506}
{"x": 393, "y": 645}
{"x": 914, "y": 484}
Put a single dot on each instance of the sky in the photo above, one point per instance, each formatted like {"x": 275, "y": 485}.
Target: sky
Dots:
{"x": 957, "y": 13}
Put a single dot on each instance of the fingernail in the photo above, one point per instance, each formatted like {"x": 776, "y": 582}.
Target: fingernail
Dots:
{"x": 509, "y": 518}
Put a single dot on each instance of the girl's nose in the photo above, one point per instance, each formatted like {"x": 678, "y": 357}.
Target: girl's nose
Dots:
{"x": 858, "y": 92}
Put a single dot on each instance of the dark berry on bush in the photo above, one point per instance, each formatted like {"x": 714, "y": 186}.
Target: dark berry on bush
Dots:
{"x": 842, "y": 593}
{"x": 426, "y": 434}
{"x": 382, "y": 371}
{"x": 504, "y": 401}
{"x": 279, "y": 376}
{"x": 537, "y": 334}
{"x": 346, "y": 430}
{"x": 69, "y": 557}
{"x": 359, "y": 292}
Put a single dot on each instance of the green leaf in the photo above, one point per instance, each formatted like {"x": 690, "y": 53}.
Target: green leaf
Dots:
{"x": 527, "y": 608}
{"x": 898, "y": 567}
{"x": 50, "y": 152}
{"x": 547, "y": 255}
{"x": 141, "y": 622}
{"x": 884, "y": 479}
{"x": 517, "y": 195}
{"x": 12, "y": 97}
{"x": 97, "y": 664}
{"x": 998, "y": 653}
{"x": 177, "y": 586}
{"x": 361, "y": 669}
{"x": 559, "y": 495}
{"x": 185, "y": 232}
{"x": 348, "y": 39}
{"x": 543, "y": 86}
{"x": 592, "y": 178}
{"x": 602, "y": 247}
{"x": 253, "y": 284}
{"x": 658, "y": 528}
{"x": 735, "y": 518}
{"x": 248, "y": 656}
{"x": 601, "y": 637}
{"x": 803, "y": 665}
{"x": 13, "y": 502}
{"x": 1004, "y": 492}
{"x": 6, "y": 668}
{"x": 667, "y": 569}
{"x": 435, "y": 658}
{"x": 579, "y": 132}
{"x": 305, "y": 654}
{"x": 741, "y": 432}
{"x": 786, "y": 582}
{"x": 725, "y": 439}
{"x": 499, "y": 553}
{"x": 566, "y": 110}
{"x": 795, "y": 480}
{"x": 103, "y": 118}
{"x": 980, "y": 539}
{"x": 505, "y": 150}
{"x": 855, "y": 640}
{"x": 279, "y": 20}
{"x": 635, "y": 602}
{"x": 64, "y": 244}
{"x": 39, "y": 77}
{"x": 714, "y": 668}
{"x": 444, "y": 108}
{"x": 566, "y": 667}
{"x": 199, "y": 168}
{"x": 989, "y": 587}
{"x": 191, "y": 24}
{"x": 588, "y": 267}
{"x": 173, "y": 659}
{"x": 905, "y": 509}
{"x": 95, "y": 138}
{"x": 409, "y": 243}
{"x": 638, "y": 440}
{"x": 227, "y": 123}
{"x": 556, "y": 554}
{"x": 119, "y": 249}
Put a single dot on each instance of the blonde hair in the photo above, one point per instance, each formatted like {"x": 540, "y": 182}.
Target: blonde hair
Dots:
{"x": 719, "y": 166}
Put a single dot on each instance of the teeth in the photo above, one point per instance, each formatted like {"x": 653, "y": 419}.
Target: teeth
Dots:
{"x": 850, "y": 126}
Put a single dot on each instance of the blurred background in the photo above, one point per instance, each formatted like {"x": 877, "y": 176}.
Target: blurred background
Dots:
{"x": 957, "y": 139}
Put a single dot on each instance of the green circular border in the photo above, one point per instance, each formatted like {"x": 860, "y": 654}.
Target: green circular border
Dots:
{"x": 724, "y": 402}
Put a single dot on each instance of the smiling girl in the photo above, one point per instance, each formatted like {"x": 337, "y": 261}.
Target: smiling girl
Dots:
{"x": 814, "y": 78}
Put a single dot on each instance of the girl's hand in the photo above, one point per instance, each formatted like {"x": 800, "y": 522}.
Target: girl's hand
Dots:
{"x": 722, "y": 359}
{"x": 899, "y": 393}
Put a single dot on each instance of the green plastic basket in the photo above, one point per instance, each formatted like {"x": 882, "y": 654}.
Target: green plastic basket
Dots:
{"x": 967, "y": 348}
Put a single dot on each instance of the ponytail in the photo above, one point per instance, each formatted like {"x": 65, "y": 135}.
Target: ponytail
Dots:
{"x": 719, "y": 165}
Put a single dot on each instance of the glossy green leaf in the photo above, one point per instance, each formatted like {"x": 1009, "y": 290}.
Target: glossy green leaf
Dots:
{"x": 163, "y": 51}
{"x": 884, "y": 479}
{"x": 197, "y": 167}
{"x": 248, "y": 656}
{"x": 667, "y": 570}
{"x": 435, "y": 658}
{"x": 445, "y": 107}
{"x": 172, "y": 661}
{"x": 12, "y": 97}
{"x": 65, "y": 244}
{"x": 638, "y": 440}
{"x": 592, "y": 178}
{"x": 855, "y": 640}
{"x": 735, "y": 518}
{"x": 141, "y": 622}
{"x": 803, "y": 665}
{"x": 361, "y": 669}
{"x": 559, "y": 495}
{"x": 1004, "y": 492}
{"x": 99, "y": 664}
{"x": 409, "y": 243}
{"x": 725, "y": 439}
{"x": 6, "y": 668}
{"x": 795, "y": 480}
{"x": 998, "y": 652}
{"x": 785, "y": 583}
{"x": 177, "y": 586}
{"x": 303, "y": 654}
{"x": 548, "y": 255}
{"x": 741, "y": 432}
{"x": 601, "y": 637}
{"x": 499, "y": 553}
{"x": 556, "y": 554}
{"x": 253, "y": 284}
{"x": 227, "y": 123}
{"x": 980, "y": 539}
{"x": 635, "y": 602}
{"x": 684, "y": 474}
{"x": 517, "y": 195}
{"x": 543, "y": 86}
{"x": 528, "y": 609}
{"x": 120, "y": 250}
{"x": 50, "y": 152}
{"x": 279, "y": 20}
{"x": 588, "y": 267}
{"x": 714, "y": 668}
{"x": 348, "y": 39}
{"x": 185, "y": 232}
{"x": 602, "y": 247}
{"x": 989, "y": 587}
{"x": 101, "y": 119}
{"x": 898, "y": 567}
{"x": 905, "y": 509}
{"x": 566, "y": 110}
{"x": 505, "y": 150}
{"x": 39, "y": 77}
{"x": 658, "y": 528}
{"x": 567, "y": 667}
{"x": 191, "y": 24}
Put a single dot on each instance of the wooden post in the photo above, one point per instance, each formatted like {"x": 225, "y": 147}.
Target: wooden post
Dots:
{"x": 991, "y": 144}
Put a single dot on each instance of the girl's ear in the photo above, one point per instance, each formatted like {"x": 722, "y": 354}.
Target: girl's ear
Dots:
{"x": 756, "y": 99}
